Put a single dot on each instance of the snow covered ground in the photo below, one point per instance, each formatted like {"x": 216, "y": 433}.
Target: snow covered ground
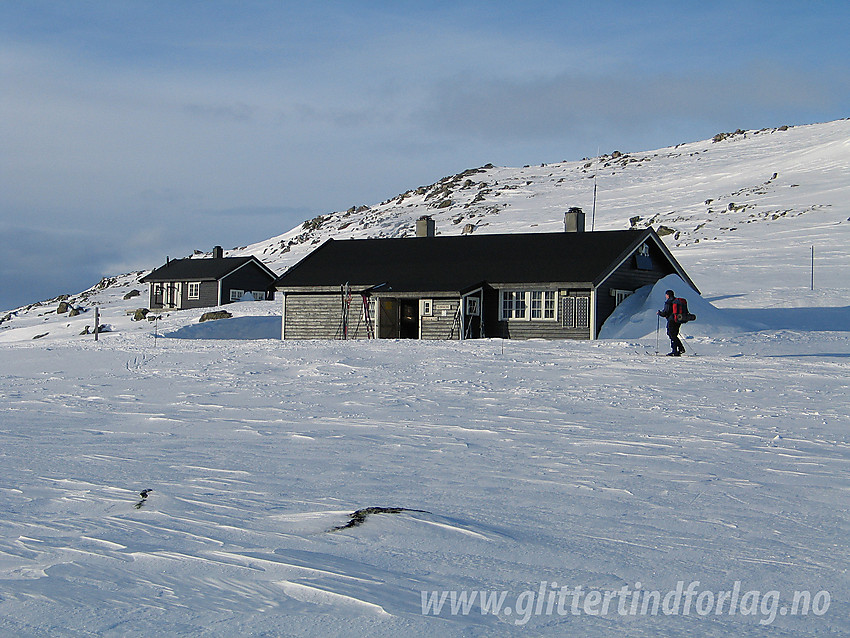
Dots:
{"x": 582, "y": 464}
{"x": 524, "y": 470}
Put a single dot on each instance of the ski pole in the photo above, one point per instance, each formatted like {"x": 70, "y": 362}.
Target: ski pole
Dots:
{"x": 657, "y": 328}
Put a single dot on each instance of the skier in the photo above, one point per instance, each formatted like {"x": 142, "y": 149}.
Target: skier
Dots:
{"x": 672, "y": 326}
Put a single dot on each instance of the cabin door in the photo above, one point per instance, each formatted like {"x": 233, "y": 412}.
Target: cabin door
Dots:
{"x": 172, "y": 295}
{"x": 388, "y": 318}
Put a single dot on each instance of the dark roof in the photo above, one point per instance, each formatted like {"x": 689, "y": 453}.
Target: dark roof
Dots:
{"x": 199, "y": 269}
{"x": 456, "y": 263}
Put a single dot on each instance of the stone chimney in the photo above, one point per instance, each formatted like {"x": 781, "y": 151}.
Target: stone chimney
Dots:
{"x": 218, "y": 252}
{"x": 574, "y": 220}
{"x": 425, "y": 227}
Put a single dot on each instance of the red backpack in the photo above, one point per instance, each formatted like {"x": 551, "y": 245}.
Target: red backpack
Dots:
{"x": 680, "y": 311}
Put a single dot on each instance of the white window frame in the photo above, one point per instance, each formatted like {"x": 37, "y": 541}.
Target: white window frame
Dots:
{"x": 473, "y": 307}
{"x": 426, "y": 307}
{"x": 236, "y": 295}
{"x": 620, "y": 295}
{"x": 535, "y": 305}
{"x": 259, "y": 295}
{"x": 193, "y": 290}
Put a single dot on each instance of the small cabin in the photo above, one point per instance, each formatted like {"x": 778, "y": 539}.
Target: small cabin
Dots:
{"x": 520, "y": 286}
{"x": 201, "y": 283}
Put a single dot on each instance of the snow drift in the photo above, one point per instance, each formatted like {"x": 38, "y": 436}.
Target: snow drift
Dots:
{"x": 636, "y": 317}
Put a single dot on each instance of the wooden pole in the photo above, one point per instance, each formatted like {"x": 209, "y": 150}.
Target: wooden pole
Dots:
{"x": 96, "y": 322}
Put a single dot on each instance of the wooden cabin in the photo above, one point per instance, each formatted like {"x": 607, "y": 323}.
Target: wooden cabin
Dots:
{"x": 519, "y": 286}
{"x": 201, "y": 283}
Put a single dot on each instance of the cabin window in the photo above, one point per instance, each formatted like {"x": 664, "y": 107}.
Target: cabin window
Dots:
{"x": 542, "y": 303}
{"x": 513, "y": 304}
{"x": 236, "y": 295}
{"x": 528, "y": 304}
{"x": 426, "y": 307}
{"x": 620, "y": 295}
{"x": 259, "y": 295}
{"x": 194, "y": 290}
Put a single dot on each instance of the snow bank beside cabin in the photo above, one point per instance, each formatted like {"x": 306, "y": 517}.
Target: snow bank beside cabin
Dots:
{"x": 244, "y": 328}
{"x": 635, "y": 317}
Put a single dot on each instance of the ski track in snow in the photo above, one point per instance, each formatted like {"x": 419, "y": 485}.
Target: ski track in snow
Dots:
{"x": 581, "y": 463}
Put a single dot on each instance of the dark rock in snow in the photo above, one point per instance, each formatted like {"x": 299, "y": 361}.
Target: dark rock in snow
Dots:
{"x": 217, "y": 314}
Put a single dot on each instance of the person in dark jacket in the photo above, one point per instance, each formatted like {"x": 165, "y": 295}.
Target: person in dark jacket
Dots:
{"x": 672, "y": 326}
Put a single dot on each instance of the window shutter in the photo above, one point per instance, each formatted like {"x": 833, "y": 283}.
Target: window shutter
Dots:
{"x": 582, "y": 312}
{"x": 569, "y": 314}
{"x": 576, "y": 311}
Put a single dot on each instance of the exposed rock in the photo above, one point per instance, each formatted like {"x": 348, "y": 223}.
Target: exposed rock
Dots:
{"x": 44, "y": 334}
{"x": 664, "y": 230}
{"x": 132, "y": 293}
{"x": 73, "y": 312}
{"x": 359, "y": 517}
{"x": 314, "y": 224}
{"x": 140, "y": 314}
{"x": 214, "y": 315}
{"x": 468, "y": 229}
{"x": 64, "y": 307}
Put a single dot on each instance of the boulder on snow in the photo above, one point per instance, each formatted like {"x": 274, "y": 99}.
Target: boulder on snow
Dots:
{"x": 216, "y": 314}
{"x": 64, "y": 307}
{"x": 140, "y": 313}
{"x": 132, "y": 293}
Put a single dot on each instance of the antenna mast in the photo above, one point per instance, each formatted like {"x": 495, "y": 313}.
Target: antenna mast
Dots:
{"x": 593, "y": 212}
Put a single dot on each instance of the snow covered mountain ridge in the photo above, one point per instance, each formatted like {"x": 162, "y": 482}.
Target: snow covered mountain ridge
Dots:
{"x": 695, "y": 192}
{"x": 752, "y": 200}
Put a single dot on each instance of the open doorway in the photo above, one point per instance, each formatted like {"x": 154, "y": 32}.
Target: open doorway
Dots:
{"x": 399, "y": 319}
{"x": 409, "y": 319}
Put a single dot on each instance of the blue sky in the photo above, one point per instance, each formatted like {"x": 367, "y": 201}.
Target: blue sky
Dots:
{"x": 134, "y": 130}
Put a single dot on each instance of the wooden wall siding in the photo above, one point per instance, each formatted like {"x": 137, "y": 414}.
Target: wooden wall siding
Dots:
{"x": 628, "y": 277}
{"x": 520, "y": 329}
{"x": 526, "y": 329}
{"x": 207, "y": 295}
{"x": 438, "y": 326}
{"x": 248, "y": 278}
{"x": 315, "y": 317}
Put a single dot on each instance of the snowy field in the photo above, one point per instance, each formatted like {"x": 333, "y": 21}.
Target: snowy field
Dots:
{"x": 531, "y": 488}
{"x": 597, "y": 465}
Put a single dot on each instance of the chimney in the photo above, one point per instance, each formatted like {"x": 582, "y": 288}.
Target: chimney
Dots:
{"x": 218, "y": 253}
{"x": 574, "y": 220}
{"x": 425, "y": 227}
